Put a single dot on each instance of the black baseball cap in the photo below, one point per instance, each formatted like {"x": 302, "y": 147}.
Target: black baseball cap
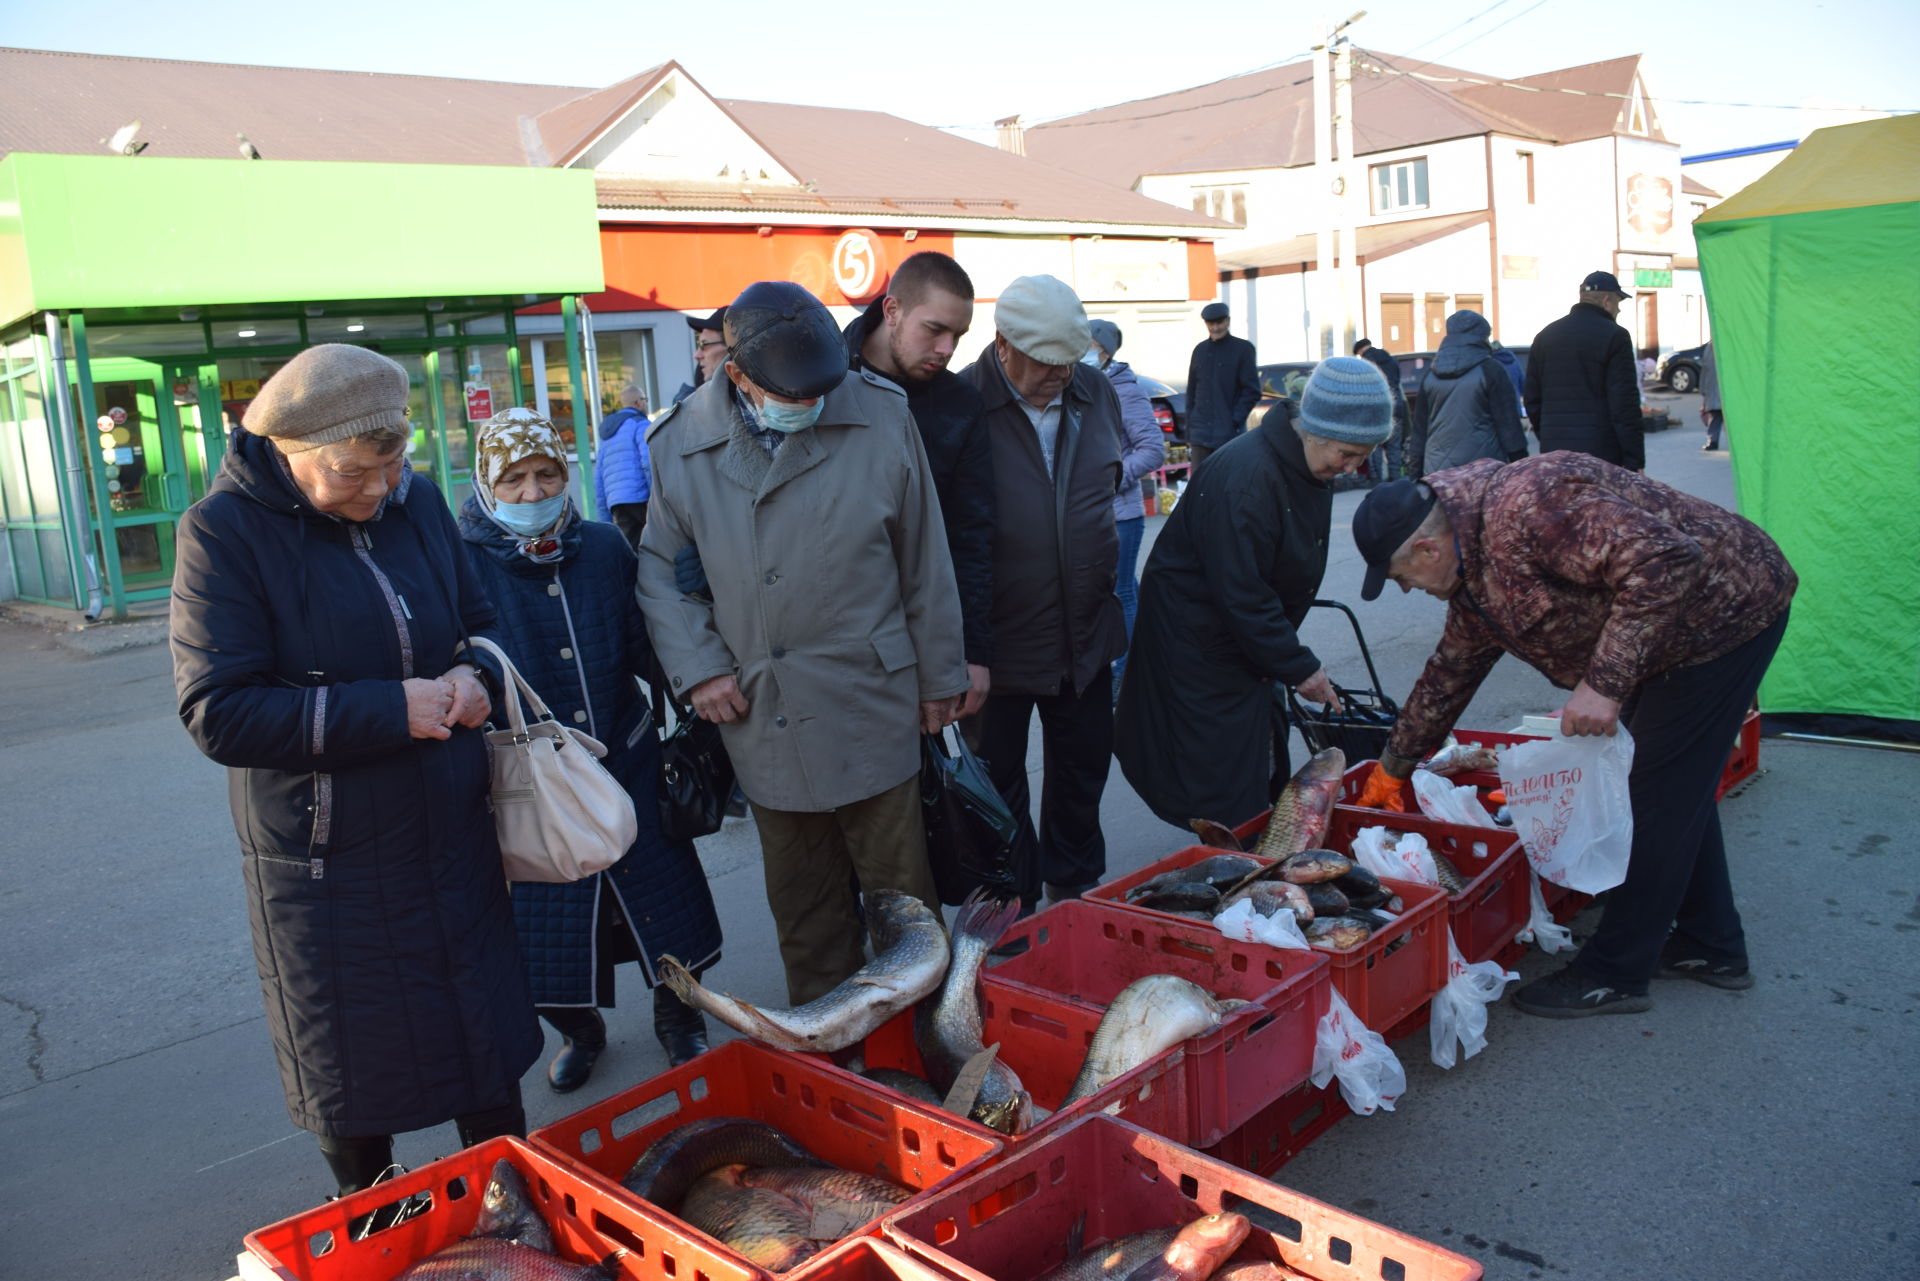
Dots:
{"x": 717, "y": 322}
{"x": 1385, "y": 519}
{"x": 1603, "y": 282}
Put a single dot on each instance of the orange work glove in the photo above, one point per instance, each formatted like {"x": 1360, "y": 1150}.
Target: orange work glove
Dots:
{"x": 1384, "y": 792}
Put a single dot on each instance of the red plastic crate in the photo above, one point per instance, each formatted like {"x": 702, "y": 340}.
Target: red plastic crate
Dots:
{"x": 588, "y": 1223}
{"x": 1087, "y": 952}
{"x": 871, "y": 1259}
{"x": 1745, "y": 760}
{"x": 1399, "y": 969}
{"x": 1494, "y": 906}
{"x": 1283, "y": 1129}
{"x": 840, "y": 1118}
{"x": 1044, "y": 1039}
{"x": 1010, "y": 1221}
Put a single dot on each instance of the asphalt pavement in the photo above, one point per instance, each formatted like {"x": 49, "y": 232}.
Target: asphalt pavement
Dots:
{"x": 1720, "y": 1137}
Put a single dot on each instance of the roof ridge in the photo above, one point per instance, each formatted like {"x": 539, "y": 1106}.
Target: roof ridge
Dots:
{"x": 1171, "y": 93}
{"x": 265, "y": 66}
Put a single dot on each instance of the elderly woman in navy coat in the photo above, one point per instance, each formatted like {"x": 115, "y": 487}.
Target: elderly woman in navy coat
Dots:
{"x": 564, "y": 590}
{"x": 321, "y": 608}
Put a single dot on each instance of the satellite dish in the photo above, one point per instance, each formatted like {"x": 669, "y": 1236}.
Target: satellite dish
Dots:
{"x": 122, "y": 143}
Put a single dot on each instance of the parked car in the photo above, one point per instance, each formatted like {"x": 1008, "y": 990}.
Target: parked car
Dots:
{"x": 1277, "y": 383}
{"x": 1680, "y": 371}
{"x": 1169, "y": 407}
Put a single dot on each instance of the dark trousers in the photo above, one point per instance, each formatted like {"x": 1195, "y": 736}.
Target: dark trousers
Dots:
{"x": 1126, "y": 585}
{"x": 1683, "y": 726}
{"x": 1076, "y": 747}
{"x": 358, "y": 1160}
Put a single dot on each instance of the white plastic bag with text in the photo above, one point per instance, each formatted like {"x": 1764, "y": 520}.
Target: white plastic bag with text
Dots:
{"x": 1459, "y": 1016}
{"x": 1542, "y": 930}
{"x": 1569, "y": 801}
{"x": 1370, "y": 1074}
{"x": 1449, "y": 802}
{"x": 1405, "y": 856}
{"x": 1243, "y": 923}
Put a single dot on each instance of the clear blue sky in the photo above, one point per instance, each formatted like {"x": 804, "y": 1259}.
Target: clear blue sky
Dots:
{"x": 956, "y": 65}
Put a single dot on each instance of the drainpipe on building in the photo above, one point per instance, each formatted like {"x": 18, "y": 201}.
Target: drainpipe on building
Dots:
{"x": 86, "y": 576}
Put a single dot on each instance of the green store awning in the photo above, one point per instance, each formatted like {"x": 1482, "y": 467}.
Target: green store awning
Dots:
{"x": 125, "y": 233}
{"x": 1813, "y": 280}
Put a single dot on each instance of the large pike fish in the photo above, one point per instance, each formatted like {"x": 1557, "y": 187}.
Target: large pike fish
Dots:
{"x": 948, "y": 1031}
{"x": 1149, "y": 1015}
{"x": 1300, "y": 815}
{"x": 910, "y": 945}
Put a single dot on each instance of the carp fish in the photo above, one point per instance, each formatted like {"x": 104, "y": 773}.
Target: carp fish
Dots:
{"x": 511, "y": 1242}
{"x": 1149, "y": 1015}
{"x": 1192, "y": 1252}
{"x": 1300, "y": 815}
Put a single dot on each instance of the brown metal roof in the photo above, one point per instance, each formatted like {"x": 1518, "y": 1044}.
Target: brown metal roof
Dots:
{"x": 1264, "y": 119}
{"x": 1376, "y": 242}
{"x": 1692, "y": 186}
{"x": 851, "y": 162}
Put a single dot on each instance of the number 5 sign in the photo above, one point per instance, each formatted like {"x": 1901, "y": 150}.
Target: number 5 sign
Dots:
{"x": 857, "y": 271}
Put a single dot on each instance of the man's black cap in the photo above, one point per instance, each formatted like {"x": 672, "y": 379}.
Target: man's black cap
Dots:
{"x": 717, "y": 322}
{"x": 1214, "y": 311}
{"x": 785, "y": 340}
{"x": 1385, "y": 519}
{"x": 1603, "y": 282}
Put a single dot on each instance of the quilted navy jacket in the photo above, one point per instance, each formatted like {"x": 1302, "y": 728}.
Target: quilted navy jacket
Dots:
{"x": 575, "y": 632}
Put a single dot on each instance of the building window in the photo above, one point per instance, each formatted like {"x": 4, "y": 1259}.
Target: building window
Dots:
{"x": 1526, "y": 168}
{"x": 1226, "y": 203}
{"x": 1401, "y": 185}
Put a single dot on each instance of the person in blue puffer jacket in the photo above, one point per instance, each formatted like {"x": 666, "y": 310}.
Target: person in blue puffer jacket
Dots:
{"x": 622, "y": 476}
{"x": 564, "y": 592}
{"x": 1144, "y": 451}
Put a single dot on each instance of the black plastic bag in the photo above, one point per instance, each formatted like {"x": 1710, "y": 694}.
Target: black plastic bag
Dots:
{"x": 970, "y": 829}
{"x": 696, "y": 779}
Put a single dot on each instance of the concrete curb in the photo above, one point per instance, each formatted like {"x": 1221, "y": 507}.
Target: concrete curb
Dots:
{"x": 88, "y": 639}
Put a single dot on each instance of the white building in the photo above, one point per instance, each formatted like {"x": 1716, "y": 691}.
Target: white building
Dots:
{"x": 1492, "y": 196}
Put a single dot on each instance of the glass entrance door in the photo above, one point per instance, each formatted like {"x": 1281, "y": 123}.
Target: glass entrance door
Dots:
{"x": 135, "y": 445}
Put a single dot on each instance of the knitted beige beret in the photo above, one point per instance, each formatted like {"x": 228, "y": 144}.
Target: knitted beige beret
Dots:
{"x": 329, "y": 393}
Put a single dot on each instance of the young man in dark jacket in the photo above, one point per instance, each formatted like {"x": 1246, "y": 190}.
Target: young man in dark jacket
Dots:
{"x": 1467, "y": 409}
{"x": 1583, "y": 388}
{"x": 1223, "y": 385}
{"x": 907, "y": 337}
{"x": 1057, "y": 438}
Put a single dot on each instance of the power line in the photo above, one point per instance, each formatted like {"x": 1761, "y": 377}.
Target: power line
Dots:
{"x": 1386, "y": 71}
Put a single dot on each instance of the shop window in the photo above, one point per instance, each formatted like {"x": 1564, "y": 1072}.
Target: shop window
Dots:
{"x": 625, "y": 356}
{"x": 184, "y": 339}
{"x": 559, "y": 391}
{"x": 475, "y": 384}
{"x": 1526, "y": 169}
{"x": 1400, "y": 185}
{"x": 350, "y": 327}
{"x": 228, "y": 334}
{"x": 1226, "y": 203}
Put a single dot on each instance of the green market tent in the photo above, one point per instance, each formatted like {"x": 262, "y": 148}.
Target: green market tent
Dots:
{"x": 1813, "y": 282}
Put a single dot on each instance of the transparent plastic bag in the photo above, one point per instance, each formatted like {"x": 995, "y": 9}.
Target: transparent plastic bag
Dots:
{"x": 1279, "y": 930}
{"x": 1370, "y": 1074}
{"x": 1570, "y": 805}
{"x": 1542, "y": 930}
{"x": 1449, "y": 802}
{"x": 1405, "y": 856}
{"x": 1459, "y": 1016}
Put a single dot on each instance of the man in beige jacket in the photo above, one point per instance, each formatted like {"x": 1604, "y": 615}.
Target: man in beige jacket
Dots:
{"x": 829, "y": 635}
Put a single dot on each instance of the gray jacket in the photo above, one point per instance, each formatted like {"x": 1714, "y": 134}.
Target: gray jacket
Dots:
{"x": 1146, "y": 446}
{"x": 1466, "y": 408}
{"x": 833, "y": 597}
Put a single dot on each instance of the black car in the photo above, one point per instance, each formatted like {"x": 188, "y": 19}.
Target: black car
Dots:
{"x": 1169, "y": 407}
{"x": 1680, "y": 371}
{"x": 1280, "y": 382}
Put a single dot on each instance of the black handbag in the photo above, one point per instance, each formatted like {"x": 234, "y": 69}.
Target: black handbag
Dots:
{"x": 970, "y": 829}
{"x": 696, "y": 776}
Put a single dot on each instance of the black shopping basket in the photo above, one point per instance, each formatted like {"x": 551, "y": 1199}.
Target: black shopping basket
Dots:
{"x": 1366, "y": 716}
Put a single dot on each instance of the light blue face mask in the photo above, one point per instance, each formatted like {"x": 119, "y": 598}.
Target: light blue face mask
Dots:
{"x": 1092, "y": 357}
{"x": 784, "y": 416}
{"x": 529, "y": 519}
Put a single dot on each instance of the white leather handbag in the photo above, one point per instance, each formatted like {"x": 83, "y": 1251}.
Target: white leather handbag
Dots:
{"x": 559, "y": 814}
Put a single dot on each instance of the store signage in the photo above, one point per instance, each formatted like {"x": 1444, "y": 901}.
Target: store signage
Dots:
{"x": 1650, "y": 205}
{"x": 1646, "y": 279}
{"x": 479, "y": 402}
{"x": 856, "y": 265}
{"x": 118, "y": 415}
{"x": 1519, "y": 267}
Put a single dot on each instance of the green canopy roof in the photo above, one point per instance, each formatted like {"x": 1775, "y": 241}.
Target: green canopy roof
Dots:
{"x": 131, "y": 232}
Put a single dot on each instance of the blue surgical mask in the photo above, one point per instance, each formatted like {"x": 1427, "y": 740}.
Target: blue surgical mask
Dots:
{"x": 784, "y": 416}
{"x": 529, "y": 519}
{"x": 1092, "y": 357}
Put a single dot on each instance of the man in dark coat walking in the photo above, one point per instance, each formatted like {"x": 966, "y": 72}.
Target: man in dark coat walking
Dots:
{"x": 1583, "y": 388}
{"x": 1467, "y": 408}
{"x": 1057, "y": 438}
{"x": 907, "y": 337}
{"x": 1230, "y": 578}
{"x": 1222, "y": 385}
{"x": 1388, "y": 463}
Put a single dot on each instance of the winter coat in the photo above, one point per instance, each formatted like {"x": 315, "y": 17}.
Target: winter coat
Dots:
{"x": 1466, "y": 408}
{"x": 1586, "y": 571}
{"x": 1510, "y": 363}
{"x": 1146, "y": 445}
{"x": 581, "y": 648}
{"x": 1223, "y": 386}
{"x": 953, "y": 431}
{"x": 1230, "y": 577}
{"x": 382, "y": 931}
{"x": 1390, "y": 370}
{"x": 833, "y": 600}
{"x": 1709, "y": 380}
{"x": 1056, "y": 553}
{"x": 1583, "y": 388}
{"x": 620, "y": 470}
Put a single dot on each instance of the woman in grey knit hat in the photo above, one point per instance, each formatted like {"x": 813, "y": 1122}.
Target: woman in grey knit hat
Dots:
{"x": 322, "y": 609}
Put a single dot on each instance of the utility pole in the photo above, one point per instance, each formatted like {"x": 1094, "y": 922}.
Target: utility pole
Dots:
{"x": 1320, "y": 297}
{"x": 1346, "y": 187}
{"x": 1333, "y": 298}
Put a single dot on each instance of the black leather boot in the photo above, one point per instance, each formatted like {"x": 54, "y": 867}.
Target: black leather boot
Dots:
{"x": 681, "y": 1028}
{"x": 585, "y": 1034}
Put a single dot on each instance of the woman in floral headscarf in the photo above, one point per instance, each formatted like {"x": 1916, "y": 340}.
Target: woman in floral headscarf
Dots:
{"x": 563, "y": 587}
